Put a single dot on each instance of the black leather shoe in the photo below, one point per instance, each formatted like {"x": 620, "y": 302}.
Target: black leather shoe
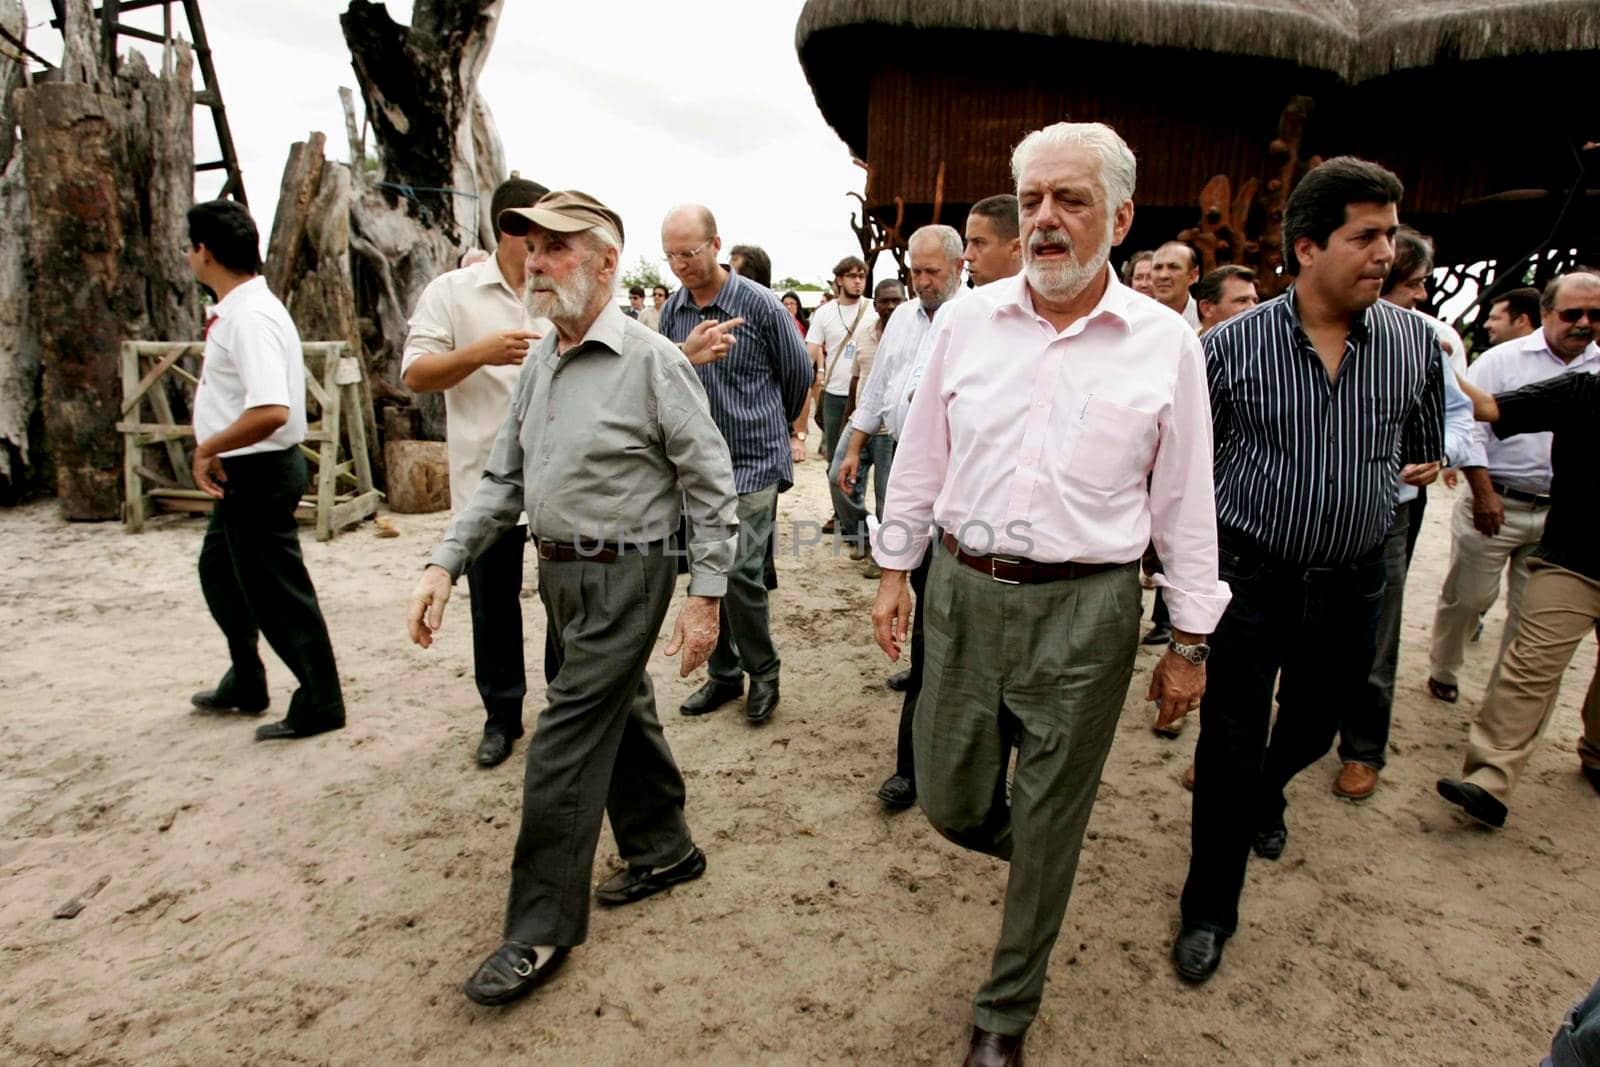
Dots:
{"x": 897, "y": 793}
{"x": 1156, "y": 635}
{"x": 762, "y": 702}
{"x": 1593, "y": 774}
{"x": 636, "y": 883}
{"x": 493, "y": 749}
{"x": 214, "y": 700}
{"x": 711, "y": 696}
{"x": 1474, "y": 800}
{"x": 510, "y": 973}
{"x": 989, "y": 1049}
{"x": 282, "y": 731}
{"x": 1197, "y": 952}
{"x": 1271, "y": 841}
{"x": 899, "y": 682}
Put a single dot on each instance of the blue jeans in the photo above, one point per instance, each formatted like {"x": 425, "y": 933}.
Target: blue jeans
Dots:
{"x": 1313, "y": 632}
{"x": 1577, "y": 1043}
{"x": 851, "y": 510}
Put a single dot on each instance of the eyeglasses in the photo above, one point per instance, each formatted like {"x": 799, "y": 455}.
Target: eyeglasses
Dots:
{"x": 684, "y": 257}
{"x": 1575, "y": 314}
{"x": 854, "y": 274}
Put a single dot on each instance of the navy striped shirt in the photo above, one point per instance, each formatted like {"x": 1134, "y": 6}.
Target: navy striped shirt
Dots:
{"x": 1307, "y": 469}
{"x": 758, "y": 389}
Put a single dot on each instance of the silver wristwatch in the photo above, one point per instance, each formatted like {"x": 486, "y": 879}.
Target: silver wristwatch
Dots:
{"x": 1195, "y": 654}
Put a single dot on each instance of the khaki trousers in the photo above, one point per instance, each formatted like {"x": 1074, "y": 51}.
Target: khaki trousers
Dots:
{"x": 1472, "y": 584}
{"x": 1042, "y": 669}
{"x": 1559, "y": 608}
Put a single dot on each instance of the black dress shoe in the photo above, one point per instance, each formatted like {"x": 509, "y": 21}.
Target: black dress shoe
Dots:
{"x": 1593, "y": 774}
{"x": 711, "y": 696}
{"x": 762, "y": 702}
{"x": 1197, "y": 952}
{"x": 1156, "y": 635}
{"x": 511, "y": 972}
{"x": 989, "y": 1049}
{"x": 636, "y": 883}
{"x": 899, "y": 682}
{"x": 216, "y": 700}
{"x": 1474, "y": 800}
{"x": 1271, "y": 841}
{"x": 897, "y": 793}
{"x": 282, "y": 731}
{"x": 493, "y": 749}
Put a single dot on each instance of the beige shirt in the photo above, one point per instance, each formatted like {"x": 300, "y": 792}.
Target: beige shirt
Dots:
{"x": 455, "y": 310}
{"x": 607, "y": 444}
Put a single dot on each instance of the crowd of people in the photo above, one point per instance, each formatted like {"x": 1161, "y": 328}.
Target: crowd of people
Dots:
{"x": 1034, "y": 426}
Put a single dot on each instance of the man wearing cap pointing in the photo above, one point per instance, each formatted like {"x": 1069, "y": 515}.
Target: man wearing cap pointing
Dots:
{"x": 608, "y": 431}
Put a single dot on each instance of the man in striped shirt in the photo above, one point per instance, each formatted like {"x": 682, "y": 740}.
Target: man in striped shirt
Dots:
{"x": 1318, "y": 398}
{"x": 756, "y": 375}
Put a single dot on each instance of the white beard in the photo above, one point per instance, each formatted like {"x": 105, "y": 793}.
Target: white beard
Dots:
{"x": 1068, "y": 278}
{"x": 562, "y": 305}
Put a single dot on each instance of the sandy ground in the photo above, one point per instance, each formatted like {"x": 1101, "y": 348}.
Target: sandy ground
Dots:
{"x": 322, "y": 901}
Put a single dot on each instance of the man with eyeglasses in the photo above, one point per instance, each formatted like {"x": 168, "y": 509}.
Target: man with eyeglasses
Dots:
{"x": 756, "y": 376}
{"x": 1561, "y": 600}
{"x": 1498, "y": 525}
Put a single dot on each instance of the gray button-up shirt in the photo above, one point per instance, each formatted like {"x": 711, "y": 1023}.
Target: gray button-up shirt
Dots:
{"x": 596, "y": 448}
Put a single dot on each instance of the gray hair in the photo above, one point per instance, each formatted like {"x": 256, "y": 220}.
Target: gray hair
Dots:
{"x": 950, "y": 242}
{"x": 603, "y": 239}
{"x": 1552, "y": 289}
{"x": 1118, "y": 171}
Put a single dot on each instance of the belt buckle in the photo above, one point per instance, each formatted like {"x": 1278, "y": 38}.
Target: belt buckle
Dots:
{"x": 547, "y": 550}
{"x": 1002, "y": 559}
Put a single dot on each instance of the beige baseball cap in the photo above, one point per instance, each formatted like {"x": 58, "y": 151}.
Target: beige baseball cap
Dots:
{"x": 562, "y": 211}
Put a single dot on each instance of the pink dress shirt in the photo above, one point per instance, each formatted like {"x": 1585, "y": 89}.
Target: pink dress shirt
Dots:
{"x": 1081, "y": 445}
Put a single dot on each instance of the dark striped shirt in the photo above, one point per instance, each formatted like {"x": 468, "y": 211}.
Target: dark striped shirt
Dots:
{"x": 758, "y": 389}
{"x": 1307, "y": 468}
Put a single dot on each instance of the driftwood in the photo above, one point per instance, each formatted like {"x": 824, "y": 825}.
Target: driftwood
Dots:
{"x": 20, "y": 432}
{"x": 109, "y": 166}
{"x": 1247, "y": 229}
{"x": 440, "y": 158}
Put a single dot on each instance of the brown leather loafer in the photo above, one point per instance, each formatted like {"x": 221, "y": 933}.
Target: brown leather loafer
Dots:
{"x": 1356, "y": 781}
{"x": 994, "y": 1050}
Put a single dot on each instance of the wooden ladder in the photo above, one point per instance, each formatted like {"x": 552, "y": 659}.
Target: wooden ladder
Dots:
{"x": 111, "y": 27}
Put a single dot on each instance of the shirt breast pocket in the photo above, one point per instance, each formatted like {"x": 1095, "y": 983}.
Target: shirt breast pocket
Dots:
{"x": 1114, "y": 445}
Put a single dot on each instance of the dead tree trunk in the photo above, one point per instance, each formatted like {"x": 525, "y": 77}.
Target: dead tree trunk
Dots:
{"x": 20, "y": 431}
{"x": 109, "y": 164}
{"x": 440, "y": 159}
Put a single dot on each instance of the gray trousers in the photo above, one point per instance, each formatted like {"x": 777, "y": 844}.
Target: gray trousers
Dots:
{"x": 744, "y": 640}
{"x": 1042, "y": 669}
{"x": 598, "y": 746}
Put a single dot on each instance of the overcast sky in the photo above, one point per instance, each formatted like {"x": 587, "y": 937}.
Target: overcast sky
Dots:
{"x": 640, "y": 104}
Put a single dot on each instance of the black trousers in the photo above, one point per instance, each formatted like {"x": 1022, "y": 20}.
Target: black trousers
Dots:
{"x": 1313, "y": 630}
{"x": 904, "y": 761}
{"x": 256, "y": 585}
{"x": 494, "y": 581}
{"x": 598, "y": 748}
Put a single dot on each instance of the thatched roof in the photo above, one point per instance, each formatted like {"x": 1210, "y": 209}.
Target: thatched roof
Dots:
{"x": 1354, "y": 39}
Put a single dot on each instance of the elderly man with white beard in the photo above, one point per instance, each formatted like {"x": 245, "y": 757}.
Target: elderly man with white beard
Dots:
{"x": 1062, "y": 424}
{"x": 608, "y": 430}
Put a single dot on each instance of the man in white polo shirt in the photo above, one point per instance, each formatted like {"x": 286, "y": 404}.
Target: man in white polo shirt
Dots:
{"x": 468, "y": 336}
{"x": 249, "y": 420}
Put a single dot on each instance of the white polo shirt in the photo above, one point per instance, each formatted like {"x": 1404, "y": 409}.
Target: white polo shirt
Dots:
{"x": 829, "y": 325}
{"x": 252, "y": 359}
{"x": 456, "y": 309}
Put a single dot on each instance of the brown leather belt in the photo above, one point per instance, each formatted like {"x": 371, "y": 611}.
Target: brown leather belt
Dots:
{"x": 1014, "y": 571}
{"x": 587, "y": 552}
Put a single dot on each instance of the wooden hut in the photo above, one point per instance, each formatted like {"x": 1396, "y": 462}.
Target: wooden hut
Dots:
{"x": 1481, "y": 106}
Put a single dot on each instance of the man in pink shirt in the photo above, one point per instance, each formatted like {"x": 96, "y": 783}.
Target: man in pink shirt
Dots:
{"x": 1062, "y": 423}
